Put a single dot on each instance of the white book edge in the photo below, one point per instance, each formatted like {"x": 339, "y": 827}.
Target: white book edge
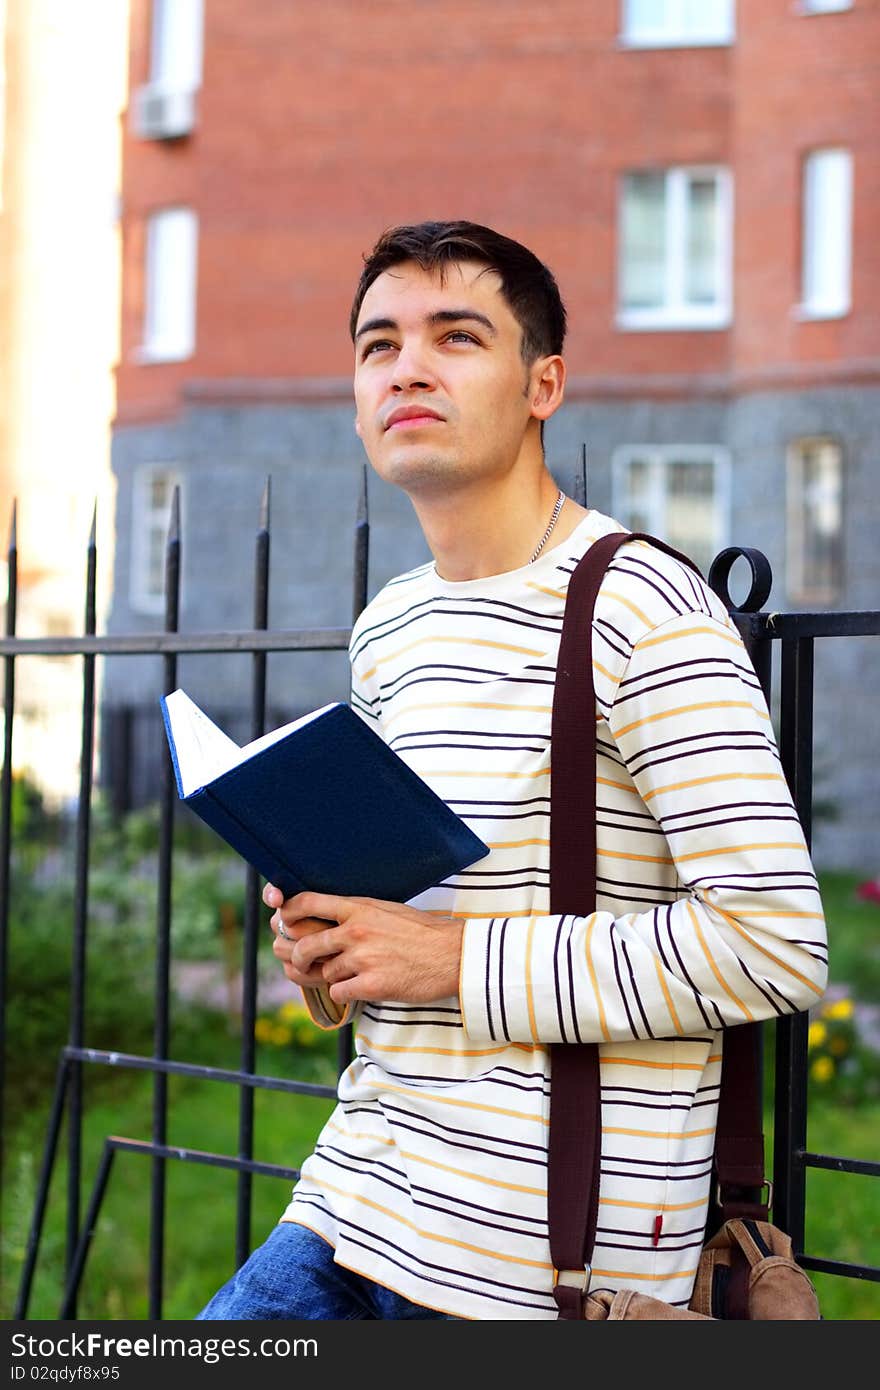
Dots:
{"x": 203, "y": 752}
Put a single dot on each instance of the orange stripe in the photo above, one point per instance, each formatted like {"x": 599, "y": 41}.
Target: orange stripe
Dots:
{"x": 637, "y": 1275}
{"x": 595, "y": 983}
{"x": 543, "y": 589}
{"x": 659, "y": 1134}
{"x": 676, "y": 1023}
{"x": 515, "y": 844}
{"x": 609, "y": 593}
{"x": 456, "y": 641}
{"x": 485, "y": 772}
{"x": 659, "y": 1066}
{"x": 467, "y": 704}
{"x": 714, "y": 968}
{"x": 706, "y": 781}
{"x": 428, "y": 1235}
{"x": 744, "y": 849}
{"x": 530, "y": 998}
{"x": 651, "y": 1206}
{"x": 689, "y": 709}
{"x": 465, "y": 1104}
{"x": 621, "y": 786}
{"x": 443, "y": 1051}
{"x": 687, "y": 632}
{"x": 737, "y": 926}
{"x": 781, "y": 912}
{"x": 640, "y": 858}
{"x": 474, "y": 1177}
{"x": 597, "y": 666}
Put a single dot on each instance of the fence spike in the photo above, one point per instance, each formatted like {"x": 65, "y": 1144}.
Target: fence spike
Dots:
{"x": 174, "y": 517}
{"x": 265, "y": 504}
{"x": 362, "y": 498}
{"x": 13, "y": 526}
{"x": 93, "y": 533}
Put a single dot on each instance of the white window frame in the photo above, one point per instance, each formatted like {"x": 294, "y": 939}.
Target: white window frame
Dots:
{"x": 146, "y": 520}
{"x": 797, "y": 585}
{"x": 170, "y": 285}
{"x": 176, "y": 45}
{"x": 832, "y": 222}
{"x": 676, "y": 313}
{"x": 674, "y": 33}
{"x": 663, "y": 454}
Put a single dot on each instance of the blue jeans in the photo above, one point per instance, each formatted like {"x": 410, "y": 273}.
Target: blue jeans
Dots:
{"x": 292, "y": 1275}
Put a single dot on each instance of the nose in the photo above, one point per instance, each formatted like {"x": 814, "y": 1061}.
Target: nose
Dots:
{"x": 412, "y": 371}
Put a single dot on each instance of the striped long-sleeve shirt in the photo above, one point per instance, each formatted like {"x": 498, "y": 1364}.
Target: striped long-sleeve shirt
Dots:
{"x": 431, "y": 1175}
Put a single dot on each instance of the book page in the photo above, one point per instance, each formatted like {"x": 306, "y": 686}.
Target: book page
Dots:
{"x": 202, "y": 749}
{"x": 265, "y": 740}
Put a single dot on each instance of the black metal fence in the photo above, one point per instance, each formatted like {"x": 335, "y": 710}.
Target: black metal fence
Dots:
{"x": 794, "y": 634}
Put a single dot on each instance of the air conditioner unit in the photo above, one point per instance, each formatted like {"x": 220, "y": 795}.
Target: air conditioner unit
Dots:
{"x": 160, "y": 114}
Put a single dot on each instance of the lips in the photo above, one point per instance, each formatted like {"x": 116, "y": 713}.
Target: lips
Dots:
{"x": 412, "y": 415}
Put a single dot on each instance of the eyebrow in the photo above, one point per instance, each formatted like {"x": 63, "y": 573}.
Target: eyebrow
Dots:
{"x": 438, "y": 317}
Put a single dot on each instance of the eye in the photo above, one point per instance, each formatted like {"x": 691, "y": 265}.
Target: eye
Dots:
{"x": 460, "y": 335}
{"x": 377, "y": 345}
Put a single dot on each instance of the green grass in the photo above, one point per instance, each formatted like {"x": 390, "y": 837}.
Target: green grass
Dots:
{"x": 201, "y": 1200}
{"x": 853, "y": 935}
{"x": 843, "y": 1209}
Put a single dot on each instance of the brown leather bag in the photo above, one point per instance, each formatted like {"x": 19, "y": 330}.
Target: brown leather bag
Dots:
{"x": 747, "y": 1269}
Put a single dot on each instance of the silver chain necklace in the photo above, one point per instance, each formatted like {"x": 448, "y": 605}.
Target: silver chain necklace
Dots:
{"x": 553, "y": 519}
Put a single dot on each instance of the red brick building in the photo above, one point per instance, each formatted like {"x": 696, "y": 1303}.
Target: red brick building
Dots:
{"x": 703, "y": 178}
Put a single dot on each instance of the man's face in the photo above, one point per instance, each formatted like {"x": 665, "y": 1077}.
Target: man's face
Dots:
{"x": 442, "y": 392}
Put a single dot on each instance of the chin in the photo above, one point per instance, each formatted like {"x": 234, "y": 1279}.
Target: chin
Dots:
{"x": 418, "y": 473}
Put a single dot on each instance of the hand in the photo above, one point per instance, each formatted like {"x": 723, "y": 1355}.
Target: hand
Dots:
{"x": 365, "y": 948}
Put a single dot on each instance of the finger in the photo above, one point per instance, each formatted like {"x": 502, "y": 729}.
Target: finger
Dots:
{"x": 326, "y": 905}
{"x": 311, "y": 979}
{"x": 315, "y": 946}
{"x": 272, "y": 896}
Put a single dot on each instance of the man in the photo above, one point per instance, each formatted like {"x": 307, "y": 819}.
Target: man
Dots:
{"x": 426, "y": 1193}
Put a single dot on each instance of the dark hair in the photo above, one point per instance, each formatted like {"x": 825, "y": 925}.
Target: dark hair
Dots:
{"x": 526, "y": 283}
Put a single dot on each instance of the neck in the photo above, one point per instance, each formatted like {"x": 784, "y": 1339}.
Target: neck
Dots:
{"x": 487, "y": 528}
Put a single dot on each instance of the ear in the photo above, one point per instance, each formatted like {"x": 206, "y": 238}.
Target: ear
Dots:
{"x": 546, "y": 386}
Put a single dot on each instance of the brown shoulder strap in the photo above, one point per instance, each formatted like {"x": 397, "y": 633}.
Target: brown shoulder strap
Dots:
{"x": 575, "y": 1112}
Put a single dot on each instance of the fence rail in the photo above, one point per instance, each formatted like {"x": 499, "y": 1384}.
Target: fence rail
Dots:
{"x": 794, "y": 632}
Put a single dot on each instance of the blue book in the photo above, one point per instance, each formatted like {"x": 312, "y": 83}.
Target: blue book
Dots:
{"x": 322, "y": 804}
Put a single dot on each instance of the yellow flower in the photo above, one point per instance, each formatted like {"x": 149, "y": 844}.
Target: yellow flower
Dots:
{"x": 291, "y": 1012}
{"x": 263, "y": 1030}
{"x": 822, "y": 1069}
{"x": 841, "y": 1008}
{"x": 816, "y": 1035}
{"x": 280, "y": 1035}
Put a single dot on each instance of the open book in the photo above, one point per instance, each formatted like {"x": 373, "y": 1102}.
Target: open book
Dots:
{"x": 322, "y": 804}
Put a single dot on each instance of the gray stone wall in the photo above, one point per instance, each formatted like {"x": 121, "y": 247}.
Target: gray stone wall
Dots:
{"x": 315, "y": 462}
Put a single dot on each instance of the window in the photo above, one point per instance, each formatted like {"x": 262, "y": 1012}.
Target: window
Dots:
{"x": 673, "y": 23}
{"x": 679, "y": 493}
{"x": 176, "y": 45}
{"x": 153, "y": 490}
{"x": 170, "y": 288}
{"x": 826, "y": 265}
{"x": 674, "y": 264}
{"x": 814, "y": 521}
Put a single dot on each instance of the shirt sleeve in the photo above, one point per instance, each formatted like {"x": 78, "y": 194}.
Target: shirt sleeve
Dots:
{"x": 744, "y": 940}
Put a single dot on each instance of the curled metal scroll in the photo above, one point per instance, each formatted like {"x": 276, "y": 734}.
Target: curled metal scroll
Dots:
{"x": 762, "y": 578}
